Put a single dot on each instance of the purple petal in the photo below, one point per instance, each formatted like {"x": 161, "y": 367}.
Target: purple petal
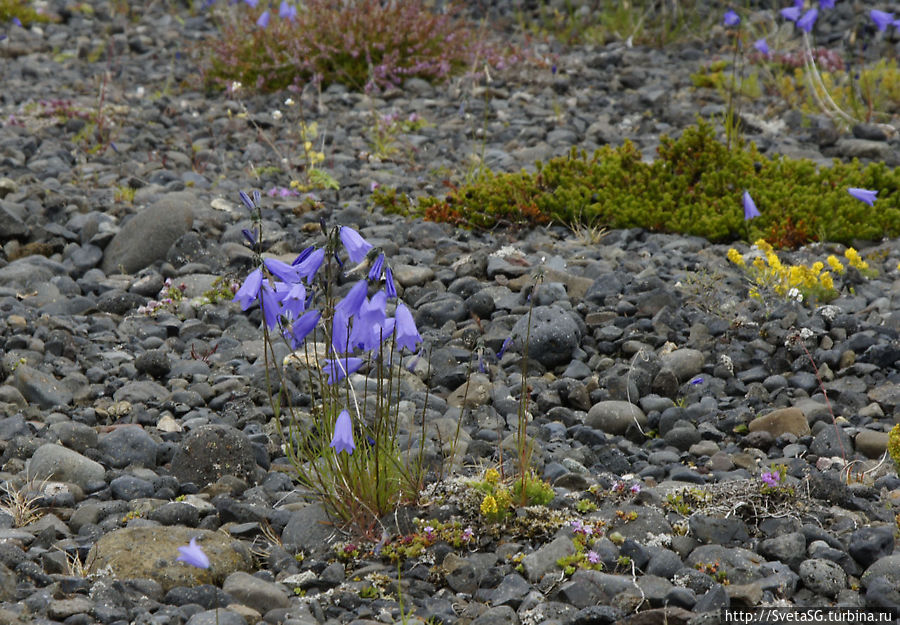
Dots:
{"x": 882, "y": 19}
{"x": 731, "y": 18}
{"x": 407, "y": 334}
{"x": 263, "y": 20}
{"x": 808, "y": 20}
{"x": 791, "y": 13}
{"x": 863, "y": 195}
{"x": 249, "y": 291}
{"x": 750, "y": 211}
{"x": 192, "y": 554}
{"x": 356, "y": 246}
{"x": 343, "y": 434}
{"x": 338, "y": 369}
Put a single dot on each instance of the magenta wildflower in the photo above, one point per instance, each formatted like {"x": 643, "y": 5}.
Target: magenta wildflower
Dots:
{"x": 863, "y": 195}
{"x": 635, "y": 488}
{"x": 593, "y": 557}
{"x": 771, "y": 478}
{"x": 467, "y": 534}
{"x": 192, "y": 554}
{"x": 343, "y": 434}
{"x": 750, "y": 211}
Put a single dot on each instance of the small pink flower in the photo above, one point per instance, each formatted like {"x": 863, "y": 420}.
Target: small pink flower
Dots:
{"x": 771, "y": 478}
{"x": 593, "y": 557}
{"x": 468, "y": 534}
{"x": 635, "y": 488}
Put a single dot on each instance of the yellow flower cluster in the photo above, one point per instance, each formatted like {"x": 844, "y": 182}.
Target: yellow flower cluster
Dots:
{"x": 489, "y": 506}
{"x": 854, "y": 259}
{"x": 835, "y": 264}
{"x": 798, "y": 282}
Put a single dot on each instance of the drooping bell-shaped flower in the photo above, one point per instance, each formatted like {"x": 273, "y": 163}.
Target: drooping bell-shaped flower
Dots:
{"x": 302, "y": 327}
{"x": 249, "y": 291}
{"x": 407, "y": 334}
{"x": 308, "y": 263}
{"x": 882, "y": 19}
{"x": 750, "y": 211}
{"x": 762, "y": 46}
{"x": 281, "y": 270}
{"x": 263, "y": 20}
{"x": 294, "y": 301}
{"x": 808, "y": 20}
{"x": 192, "y": 554}
{"x": 340, "y": 368}
{"x": 389, "y": 285}
{"x": 791, "y": 13}
{"x": 863, "y": 195}
{"x": 356, "y": 246}
{"x": 342, "y": 440}
{"x": 731, "y": 18}
{"x": 353, "y": 299}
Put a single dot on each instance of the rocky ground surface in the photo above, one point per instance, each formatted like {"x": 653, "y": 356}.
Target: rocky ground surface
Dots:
{"x": 128, "y": 433}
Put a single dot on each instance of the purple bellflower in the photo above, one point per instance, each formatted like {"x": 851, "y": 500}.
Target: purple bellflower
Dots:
{"x": 287, "y": 11}
{"x": 302, "y": 327}
{"x": 407, "y": 334}
{"x": 338, "y": 369}
{"x": 294, "y": 301}
{"x": 762, "y": 46}
{"x": 249, "y": 291}
{"x": 343, "y": 434}
{"x": 389, "y": 285}
{"x": 808, "y": 20}
{"x": 308, "y": 263}
{"x": 863, "y": 195}
{"x": 192, "y": 554}
{"x": 251, "y": 3}
{"x": 263, "y": 20}
{"x": 791, "y": 13}
{"x": 504, "y": 347}
{"x": 731, "y": 18}
{"x": 750, "y": 211}
{"x": 357, "y": 247}
{"x": 826, "y": 4}
{"x": 281, "y": 270}
{"x": 882, "y": 19}
{"x": 377, "y": 267}
{"x": 353, "y": 299}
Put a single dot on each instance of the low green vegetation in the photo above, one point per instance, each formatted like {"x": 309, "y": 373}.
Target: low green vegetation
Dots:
{"x": 694, "y": 186}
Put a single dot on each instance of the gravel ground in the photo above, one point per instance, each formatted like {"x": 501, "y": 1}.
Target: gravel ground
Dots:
{"x": 132, "y": 433}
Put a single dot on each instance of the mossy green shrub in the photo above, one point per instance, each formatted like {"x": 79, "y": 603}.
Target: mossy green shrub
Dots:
{"x": 693, "y": 187}
{"x": 21, "y": 9}
{"x": 361, "y": 44}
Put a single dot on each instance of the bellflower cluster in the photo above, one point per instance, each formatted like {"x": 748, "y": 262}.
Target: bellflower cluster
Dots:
{"x": 287, "y": 294}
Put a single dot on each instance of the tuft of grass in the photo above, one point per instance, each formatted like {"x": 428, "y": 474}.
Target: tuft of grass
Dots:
{"x": 367, "y": 44}
{"x": 694, "y": 186}
{"x": 644, "y": 22}
{"x": 22, "y": 504}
